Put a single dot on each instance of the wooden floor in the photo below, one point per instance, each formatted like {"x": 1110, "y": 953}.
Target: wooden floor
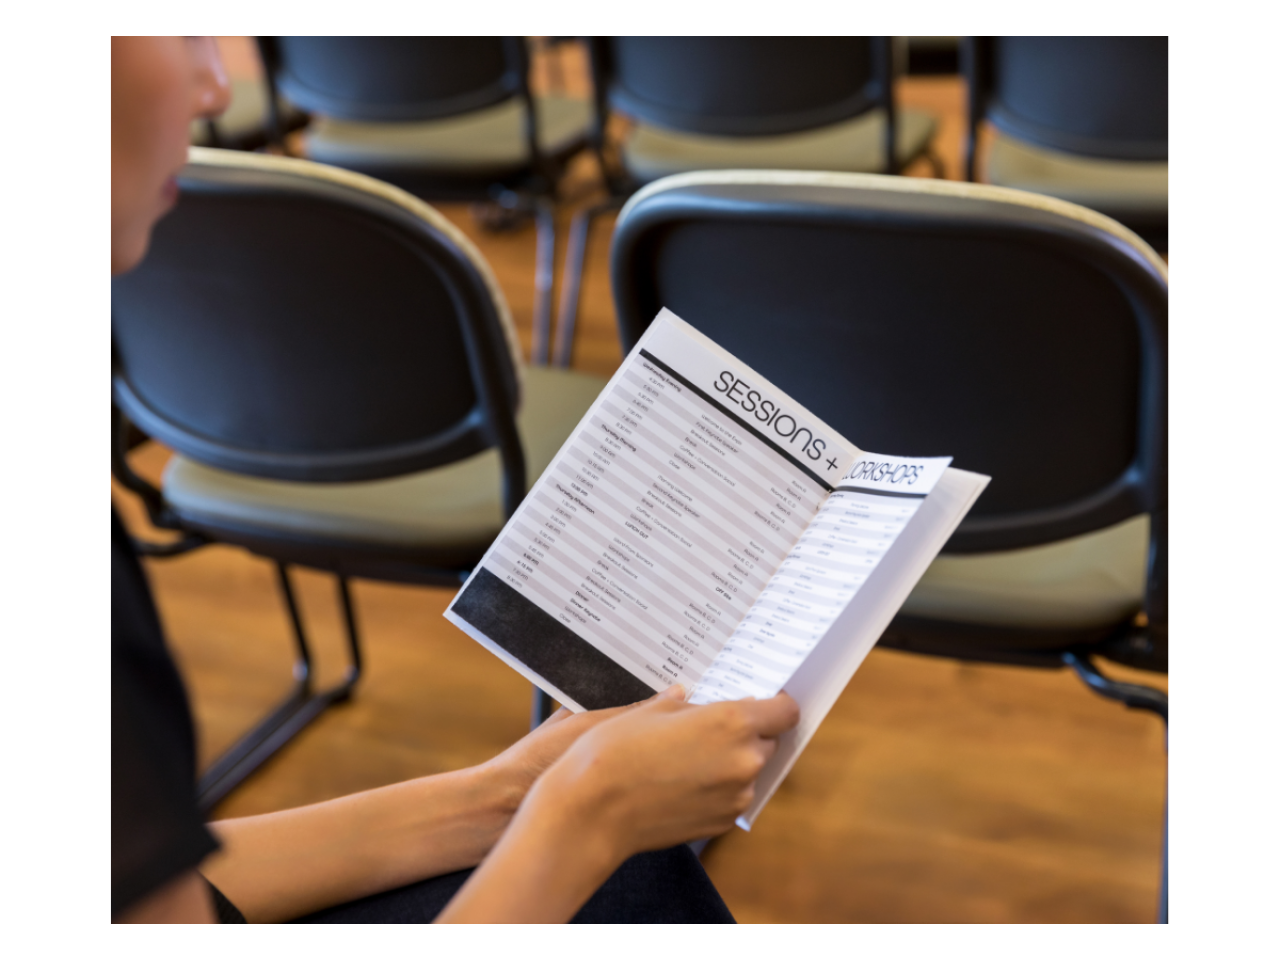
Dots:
{"x": 934, "y": 791}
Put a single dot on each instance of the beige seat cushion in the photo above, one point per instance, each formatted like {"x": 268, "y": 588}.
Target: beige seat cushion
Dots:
{"x": 855, "y": 145}
{"x": 1116, "y": 187}
{"x": 488, "y": 139}
{"x": 1085, "y": 581}
{"x": 451, "y": 506}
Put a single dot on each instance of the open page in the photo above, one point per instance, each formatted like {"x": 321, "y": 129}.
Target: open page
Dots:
{"x": 851, "y": 533}
{"x": 655, "y": 528}
{"x": 823, "y": 674}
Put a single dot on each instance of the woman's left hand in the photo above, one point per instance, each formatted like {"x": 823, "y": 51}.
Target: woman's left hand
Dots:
{"x": 526, "y": 759}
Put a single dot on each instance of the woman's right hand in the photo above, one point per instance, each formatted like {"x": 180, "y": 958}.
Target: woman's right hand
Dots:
{"x": 657, "y": 774}
{"x": 662, "y": 773}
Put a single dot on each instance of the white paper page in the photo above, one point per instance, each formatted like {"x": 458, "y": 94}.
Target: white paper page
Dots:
{"x": 825, "y": 672}
{"x": 843, "y": 545}
{"x": 655, "y": 527}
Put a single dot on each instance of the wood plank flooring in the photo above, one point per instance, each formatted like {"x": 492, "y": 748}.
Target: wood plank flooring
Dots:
{"x": 935, "y": 791}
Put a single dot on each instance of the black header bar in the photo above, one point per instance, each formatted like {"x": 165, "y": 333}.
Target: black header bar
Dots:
{"x": 733, "y": 416}
{"x": 850, "y": 488}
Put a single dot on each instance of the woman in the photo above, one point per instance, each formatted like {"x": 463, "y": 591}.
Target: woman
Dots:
{"x": 587, "y": 810}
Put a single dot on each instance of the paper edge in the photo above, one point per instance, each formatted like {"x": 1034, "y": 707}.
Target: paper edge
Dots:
{"x": 762, "y": 798}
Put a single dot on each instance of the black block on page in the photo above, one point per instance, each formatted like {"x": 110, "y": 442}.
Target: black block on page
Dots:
{"x": 546, "y": 645}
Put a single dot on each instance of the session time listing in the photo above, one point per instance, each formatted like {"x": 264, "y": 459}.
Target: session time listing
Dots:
{"x": 654, "y": 531}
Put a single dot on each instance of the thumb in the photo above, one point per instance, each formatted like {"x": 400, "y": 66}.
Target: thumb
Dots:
{"x": 775, "y": 715}
{"x": 674, "y": 692}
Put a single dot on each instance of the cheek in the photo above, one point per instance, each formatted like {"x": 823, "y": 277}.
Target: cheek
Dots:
{"x": 151, "y": 117}
{"x": 167, "y": 135}
{"x": 148, "y": 146}
{"x": 174, "y": 118}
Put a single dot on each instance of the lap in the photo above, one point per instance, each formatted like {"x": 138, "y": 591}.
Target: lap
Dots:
{"x": 666, "y": 886}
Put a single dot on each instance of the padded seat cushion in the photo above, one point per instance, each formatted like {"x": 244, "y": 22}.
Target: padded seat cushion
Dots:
{"x": 1086, "y": 581}
{"x": 488, "y": 140}
{"x": 1114, "y": 187}
{"x": 855, "y": 146}
{"x": 455, "y": 506}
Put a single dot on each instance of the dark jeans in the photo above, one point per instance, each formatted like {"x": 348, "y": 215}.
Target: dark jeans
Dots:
{"x": 667, "y": 886}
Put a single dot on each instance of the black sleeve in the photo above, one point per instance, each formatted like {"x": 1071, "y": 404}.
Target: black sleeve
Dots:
{"x": 157, "y": 831}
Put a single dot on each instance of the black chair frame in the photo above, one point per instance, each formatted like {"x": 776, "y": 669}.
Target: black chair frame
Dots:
{"x": 490, "y": 424}
{"x": 529, "y": 192}
{"x": 1141, "y": 488}
{"x": 609, "y": 97}
{"x": 978, "y": 62}
{"x": 304, "y": 702}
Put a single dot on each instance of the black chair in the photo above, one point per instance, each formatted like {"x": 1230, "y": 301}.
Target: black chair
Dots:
{"x": 1085, "y": 119}
{"x": 446, "y": 118}
{"x": 1023, "y": 335}
{"x": 337, "y": 372}
{"x": 777, "y": 103}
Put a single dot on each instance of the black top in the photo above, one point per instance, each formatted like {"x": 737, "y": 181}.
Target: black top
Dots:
{"x": 157, "y": 831}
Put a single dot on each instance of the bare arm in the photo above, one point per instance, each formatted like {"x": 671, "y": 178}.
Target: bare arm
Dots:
{"x": 282, "y": 865}
{"x": 663, "y": 774}
{"x": 630, "y": 779}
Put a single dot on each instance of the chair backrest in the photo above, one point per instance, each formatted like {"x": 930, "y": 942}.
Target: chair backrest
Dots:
{"x": 741, "y": 86}
{"x": 396, "y": 78}
{"x": 298, "y": 322}
{"x": 1022, "y": 335}
{"x": 1104, "y": 97}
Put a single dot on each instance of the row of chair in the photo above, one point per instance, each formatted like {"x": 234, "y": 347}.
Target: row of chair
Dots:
{"x": 1080, "y": 118}
{"x": 335, "y": 367}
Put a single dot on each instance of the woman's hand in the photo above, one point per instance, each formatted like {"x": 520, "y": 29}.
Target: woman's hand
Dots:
{"x": 285, "y": 864}
{"x": 650, "y": 776}
{"x": 528, "y": 758}
{"x": 664, "y": 772}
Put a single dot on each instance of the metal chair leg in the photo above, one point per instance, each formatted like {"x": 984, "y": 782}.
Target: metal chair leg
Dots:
{"x": 1130, "y": 694}
{"x": 292, "y": 714}
{"x": 542, "y": 704}
{"x": 575, "y": 256}
{"x": 544, "y": 278}
{"x": 575, "y": 259}
{"x": 1139, "y": 698}
{"x": 935, "y": 162}
{"x": 353, "y": 635}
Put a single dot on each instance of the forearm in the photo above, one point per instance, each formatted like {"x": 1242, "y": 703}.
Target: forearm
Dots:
{"x": 546, "y": 866}
{"x": 282, "y": 865}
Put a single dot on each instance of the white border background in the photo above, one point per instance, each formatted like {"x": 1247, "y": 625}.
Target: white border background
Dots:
{"x": 1223, "y": 814}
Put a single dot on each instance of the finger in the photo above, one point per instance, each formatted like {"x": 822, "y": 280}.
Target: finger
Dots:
{"x": 773, "y": 716}
{"x": 592, "y": 718}
{"x": 602, "y": 714}
{"x": 767, "y": 746}
{"x": 588, "y": 718}
{"x": 672, "y": 695}
{"x": 657, "y": 696}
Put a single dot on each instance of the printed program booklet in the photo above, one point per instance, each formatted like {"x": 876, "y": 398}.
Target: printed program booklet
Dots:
{"x": 701, "y": 527}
